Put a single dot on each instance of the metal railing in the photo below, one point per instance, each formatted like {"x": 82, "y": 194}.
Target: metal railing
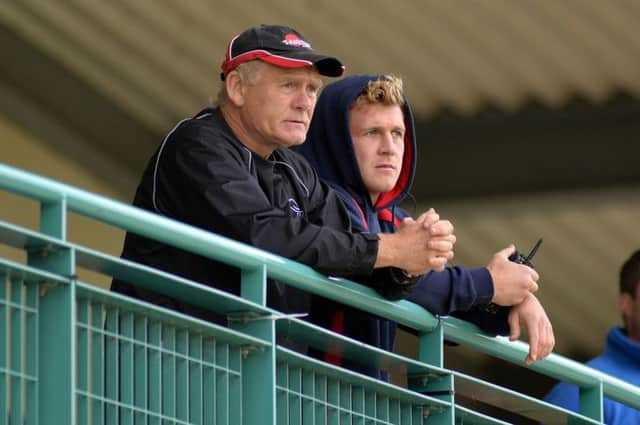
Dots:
{"x": 73, "y": 353}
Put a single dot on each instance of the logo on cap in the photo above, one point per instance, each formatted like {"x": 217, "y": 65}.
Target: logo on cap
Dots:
{"x": 295, "y": 41}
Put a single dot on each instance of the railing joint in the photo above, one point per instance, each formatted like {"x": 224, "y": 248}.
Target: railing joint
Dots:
{"x": 432, "y": 410}
{"x": 246, "y": 350}
{"x": 46, "y": 285}
{"x": 425, "y": 378}
{"x": 42, "y": 251}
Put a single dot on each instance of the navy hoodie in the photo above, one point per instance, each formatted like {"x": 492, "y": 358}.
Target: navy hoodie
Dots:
{"x": 457, "y": 290}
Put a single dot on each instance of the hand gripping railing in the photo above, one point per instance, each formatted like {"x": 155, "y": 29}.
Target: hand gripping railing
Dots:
{"x": 56, "y": 199}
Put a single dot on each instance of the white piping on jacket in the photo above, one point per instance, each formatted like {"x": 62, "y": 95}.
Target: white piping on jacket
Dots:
{"x": 295, "y": 174}
{"x": 155, "y": 167}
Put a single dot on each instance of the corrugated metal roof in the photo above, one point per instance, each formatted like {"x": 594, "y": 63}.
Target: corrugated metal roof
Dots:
{"x": 160, "y": 59}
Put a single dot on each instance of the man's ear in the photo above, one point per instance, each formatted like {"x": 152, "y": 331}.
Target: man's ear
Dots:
{"x": 626, "y": 306}
{"x": 235, "y": 88}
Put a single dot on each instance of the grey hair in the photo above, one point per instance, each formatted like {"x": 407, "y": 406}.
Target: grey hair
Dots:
{"x": 248, "y": 72}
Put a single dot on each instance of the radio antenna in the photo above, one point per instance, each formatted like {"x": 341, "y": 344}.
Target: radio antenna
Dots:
{"x": 534, "y": 250}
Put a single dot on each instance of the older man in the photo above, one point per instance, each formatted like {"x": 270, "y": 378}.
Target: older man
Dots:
{"x": 228, "y": 170}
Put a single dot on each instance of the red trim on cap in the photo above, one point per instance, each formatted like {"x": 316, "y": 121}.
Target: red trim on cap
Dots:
{"x": 230, "y": 64}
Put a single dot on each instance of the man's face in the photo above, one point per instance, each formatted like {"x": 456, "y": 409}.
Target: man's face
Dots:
{"x": 277, "y": 109}
{"x": 378, "y": 132}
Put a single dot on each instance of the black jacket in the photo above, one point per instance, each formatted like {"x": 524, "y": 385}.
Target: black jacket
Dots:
{"x": 202, "y": 175}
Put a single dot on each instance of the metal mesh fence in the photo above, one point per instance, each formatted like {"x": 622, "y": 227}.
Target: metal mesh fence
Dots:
{"x": 309, "y": 397}
{"x": 18, "y": 350}
{"x": 136, "y": 369}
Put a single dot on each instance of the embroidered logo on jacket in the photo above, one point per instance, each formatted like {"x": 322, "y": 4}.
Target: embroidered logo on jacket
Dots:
{"x": 294, "y": 209}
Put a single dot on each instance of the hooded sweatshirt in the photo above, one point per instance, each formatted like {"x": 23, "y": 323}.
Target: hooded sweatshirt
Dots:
{"x": 456, "y": 290}
{"x": 620, "y": 359}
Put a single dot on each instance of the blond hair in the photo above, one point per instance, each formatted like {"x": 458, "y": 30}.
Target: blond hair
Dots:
{"x": 248, "y": 72}
{"x": 386, "y": 90}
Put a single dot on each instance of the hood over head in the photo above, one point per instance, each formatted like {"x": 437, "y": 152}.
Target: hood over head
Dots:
{"x": 329, "y": 147}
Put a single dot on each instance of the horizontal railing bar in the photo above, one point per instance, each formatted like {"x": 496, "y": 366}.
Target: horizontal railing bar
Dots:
{"x": 554, "y": 365}
{"x": 30, "y": 274}
{"x": 20, "y": 237}
{"x": 193, "y": 293}
{"x": 93, "y": 293}
{"x": 468, "y": 416}
{"x": 345, "y": 375}
{"x": 506, "y": 399}
{"x": 150, "y": 414}
{"x": 212, "y": 246}
{"x": 13, "y": 374}
{"x": 365, "y": 355}
{"x": 146, "y": 277}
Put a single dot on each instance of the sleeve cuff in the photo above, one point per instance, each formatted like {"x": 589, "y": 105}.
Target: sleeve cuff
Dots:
{"x": 371, "y": 252}
{"x": 483, "y": 284}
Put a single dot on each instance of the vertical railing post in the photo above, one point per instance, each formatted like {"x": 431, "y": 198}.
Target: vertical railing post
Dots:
{"x": 53, "y": 219}
{"x": 591, "y": 402}
{"x": 56, "y": 321}
{"x": 431, "y": 351}
{"x": 431, "y": 346}
{"x": 259, "y": 367}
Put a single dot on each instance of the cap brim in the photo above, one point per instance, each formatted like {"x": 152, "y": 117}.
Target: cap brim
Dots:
{"x": 326, "y": 65}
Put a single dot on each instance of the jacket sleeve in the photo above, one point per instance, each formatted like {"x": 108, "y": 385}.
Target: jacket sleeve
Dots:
{"x": 454, "y": 289}
{"x": 490, "y": 321}
{"x": 207, "y": 182}
{"x": 463, "y": 293}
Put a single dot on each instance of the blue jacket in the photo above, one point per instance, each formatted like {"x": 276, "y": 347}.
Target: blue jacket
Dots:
{"x": 329, "y": 149}
{"x": 621, "y": 359}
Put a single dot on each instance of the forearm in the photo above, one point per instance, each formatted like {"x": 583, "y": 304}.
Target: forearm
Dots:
{"x": 454, "y": 289}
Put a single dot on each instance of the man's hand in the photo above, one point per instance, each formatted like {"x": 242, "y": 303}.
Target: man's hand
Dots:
{"x": 532, "y": 316}
{"x": 512, "y": 282}
{"x": 419, "y": 245}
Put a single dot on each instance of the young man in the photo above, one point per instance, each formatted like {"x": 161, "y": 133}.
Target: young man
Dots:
{"x": 362, "y": 143}
{"x": 228, "y": 170}
{"x": 622, "y": 355}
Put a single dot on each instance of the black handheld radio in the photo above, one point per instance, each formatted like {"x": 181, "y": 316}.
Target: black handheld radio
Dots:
{"x": 519, "y": 258}
{"x": 516, "y": 257}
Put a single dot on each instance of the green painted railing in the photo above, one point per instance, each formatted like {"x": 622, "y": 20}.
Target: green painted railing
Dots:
{"x": 71, "y": 353}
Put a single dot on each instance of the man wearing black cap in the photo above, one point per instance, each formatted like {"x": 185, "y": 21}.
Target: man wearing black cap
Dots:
{"x": 227, "y": 170}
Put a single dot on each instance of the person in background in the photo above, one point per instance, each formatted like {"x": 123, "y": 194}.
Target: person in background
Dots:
{"x": 621, "y": 357}
{"x": 362, "y": 143}
{"x": 229, "y": 170}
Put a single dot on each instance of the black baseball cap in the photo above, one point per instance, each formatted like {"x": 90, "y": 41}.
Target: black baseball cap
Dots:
{"x": 278, "y": 45}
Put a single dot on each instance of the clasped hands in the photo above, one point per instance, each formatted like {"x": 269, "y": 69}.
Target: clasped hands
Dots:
{"x": 428, "y": 243}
